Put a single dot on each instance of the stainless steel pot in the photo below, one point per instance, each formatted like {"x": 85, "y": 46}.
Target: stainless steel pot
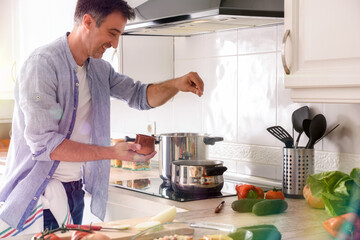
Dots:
{"x": 182, "y": 146}
{"x": 197, "y": 176}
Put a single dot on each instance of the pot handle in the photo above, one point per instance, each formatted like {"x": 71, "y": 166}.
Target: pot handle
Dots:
{"x": 129, "y": 139}
{"x": 212, "y": 140}
{"x": 157, "y": 138}
{"x": 215, "y": 171}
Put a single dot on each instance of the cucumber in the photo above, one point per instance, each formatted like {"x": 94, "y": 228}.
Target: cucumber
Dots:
{"x": 241, "y": 234}
{"x": 269, "y": 206}
{"x": 257, "y": 232}
{"x": 245, "y": 205}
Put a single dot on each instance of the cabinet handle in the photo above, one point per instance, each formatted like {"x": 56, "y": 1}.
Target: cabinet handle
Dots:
{"x": 286, "y": 35}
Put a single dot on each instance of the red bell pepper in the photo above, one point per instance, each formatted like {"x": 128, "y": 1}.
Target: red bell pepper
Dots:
{"x": 347, "y": 225}
{"x": 249, "y": 191}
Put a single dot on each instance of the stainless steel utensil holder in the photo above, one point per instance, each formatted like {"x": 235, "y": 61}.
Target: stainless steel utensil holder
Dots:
{"x": 298, "y": 164}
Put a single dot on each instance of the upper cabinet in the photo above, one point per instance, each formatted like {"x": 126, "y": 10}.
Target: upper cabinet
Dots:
{"x": 321, "y": 50}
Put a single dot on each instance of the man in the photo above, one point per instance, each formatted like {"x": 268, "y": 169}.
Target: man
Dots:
{"x": 61, "y": 123}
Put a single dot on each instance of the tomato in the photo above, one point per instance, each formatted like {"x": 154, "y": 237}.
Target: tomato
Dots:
{"x": 275, "y": 194}
{"x": 249, "y": 191}
{"x": 77, "y": 235}
{"x": 50, "y": 236}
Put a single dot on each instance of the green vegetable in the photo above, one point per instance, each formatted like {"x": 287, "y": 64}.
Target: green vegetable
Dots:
{"x": 244, "y": 205}
{"x": 339, "y": 191}
{"x": 269, "y": 206}
{"x": 241, "y": 235}
{"x": 257, "y": 232}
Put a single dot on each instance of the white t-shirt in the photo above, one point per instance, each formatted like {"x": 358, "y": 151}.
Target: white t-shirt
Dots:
{"x": 71, "y": 171}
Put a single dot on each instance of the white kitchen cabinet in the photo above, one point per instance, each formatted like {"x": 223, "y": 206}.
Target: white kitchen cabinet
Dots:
{"x": 7, "y": 47}
{"x": 322, "y": 50}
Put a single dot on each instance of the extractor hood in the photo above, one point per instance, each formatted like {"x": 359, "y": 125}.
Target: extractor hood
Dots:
{"x": 189, "y": 17}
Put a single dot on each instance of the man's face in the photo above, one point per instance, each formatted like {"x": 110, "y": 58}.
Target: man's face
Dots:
{"x": 106, "y": 35}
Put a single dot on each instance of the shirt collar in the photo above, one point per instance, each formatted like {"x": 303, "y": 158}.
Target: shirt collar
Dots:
{"x": 69, "y": 55}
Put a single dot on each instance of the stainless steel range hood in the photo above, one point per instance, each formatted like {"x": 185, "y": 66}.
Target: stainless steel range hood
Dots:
{"x": 189, "y": 17}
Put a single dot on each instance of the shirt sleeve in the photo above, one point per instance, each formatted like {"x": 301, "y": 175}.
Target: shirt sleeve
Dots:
{"x": 38, "y": 102}
{"x": 124, "y": 87}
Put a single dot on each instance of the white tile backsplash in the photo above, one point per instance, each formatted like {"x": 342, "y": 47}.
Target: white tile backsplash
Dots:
{"x": 257, "y": 40}
{"x": 257, "y": 170}
{"x": 219, "y": 109}
{"x": 256, "y": 97}
{"x": 244, "y": 94}
{"x": 346, "y": 137}
{"x": 149, "y": 59}
{"x": 206, "y": 45}
{"x": 214, "y": 112}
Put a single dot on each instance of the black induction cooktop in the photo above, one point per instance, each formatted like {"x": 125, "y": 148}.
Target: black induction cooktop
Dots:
{"x": 157, "y": 187}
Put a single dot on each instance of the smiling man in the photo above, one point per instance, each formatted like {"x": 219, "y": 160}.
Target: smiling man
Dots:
{"x": 61, "y": 123}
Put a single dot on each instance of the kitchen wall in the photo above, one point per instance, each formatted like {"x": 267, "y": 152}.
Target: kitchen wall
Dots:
{"x": 6, "y": 111}
{"x": 244, "y": 94}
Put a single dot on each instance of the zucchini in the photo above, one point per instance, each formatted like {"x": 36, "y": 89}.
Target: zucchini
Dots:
{"x": 241, "y": 234}
{"x": 257, "y": 232}
{"x": 269, "y": 206}
{"x": 244, "y": 205}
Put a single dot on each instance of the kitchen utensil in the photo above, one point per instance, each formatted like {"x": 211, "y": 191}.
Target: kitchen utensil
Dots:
{"x": 297, "y": 118}
{"x": 202, "y": 177}
{"x": 97, "y": 228}
{"x": 281, "y": 134}
{"x": 219, "y": 207}
{"x": 147, "y": 143}
{"x": 190, "y": 230}
{"x": 215, "y": 226}
{"x": 182, "y": 146}
{"x": 306, "y": 127}
{"x": 317, "y": 129}
{"x": 298, "y": 164}
{"x": 327, "y": 133}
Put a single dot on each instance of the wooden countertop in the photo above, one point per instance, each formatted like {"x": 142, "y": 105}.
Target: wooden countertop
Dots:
{"x": 300, "y": 221}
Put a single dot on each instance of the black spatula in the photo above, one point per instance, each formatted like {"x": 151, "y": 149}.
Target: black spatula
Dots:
{"x": 298, "y": 116}
{"x": 281, "y": 134}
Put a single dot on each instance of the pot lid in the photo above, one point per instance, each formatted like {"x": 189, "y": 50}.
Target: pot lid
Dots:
{"x": 197, "y": 163}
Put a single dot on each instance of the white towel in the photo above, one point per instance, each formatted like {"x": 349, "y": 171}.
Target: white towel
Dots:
{"x": 55, "y": 199}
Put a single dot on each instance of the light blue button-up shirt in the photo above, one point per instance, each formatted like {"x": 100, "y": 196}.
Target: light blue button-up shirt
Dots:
{"x": 46, "y": 101}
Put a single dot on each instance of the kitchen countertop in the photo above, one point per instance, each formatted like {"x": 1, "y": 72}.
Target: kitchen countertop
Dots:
{"x": 299, "y": 221}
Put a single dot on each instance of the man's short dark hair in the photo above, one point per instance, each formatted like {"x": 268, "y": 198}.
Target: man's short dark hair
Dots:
{"x": 100, "y": 9}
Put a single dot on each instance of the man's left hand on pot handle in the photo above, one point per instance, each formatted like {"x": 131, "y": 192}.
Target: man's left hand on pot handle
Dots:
{"x": 160, "y": 93}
